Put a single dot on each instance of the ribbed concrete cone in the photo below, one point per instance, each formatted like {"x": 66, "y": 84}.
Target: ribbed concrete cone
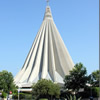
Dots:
{"x": 48, "y": 57}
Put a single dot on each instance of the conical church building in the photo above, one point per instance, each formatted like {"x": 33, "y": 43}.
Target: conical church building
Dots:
{"x": 48, "y": 57}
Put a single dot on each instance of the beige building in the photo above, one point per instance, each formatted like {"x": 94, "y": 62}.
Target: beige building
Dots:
{"x": 48, "y": 57}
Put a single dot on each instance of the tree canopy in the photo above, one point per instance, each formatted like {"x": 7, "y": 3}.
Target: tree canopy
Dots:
{"x": 6, "y": 81}
{"x": 77, "y": 78}
{"x": 45, "y": 88}
{"x": 94, "y": 78}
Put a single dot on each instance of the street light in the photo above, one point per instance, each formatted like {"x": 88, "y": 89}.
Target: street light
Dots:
{"x": 19, "y": 86}
{"x": 18, "y": 92}
{"x": 91, "y": 98}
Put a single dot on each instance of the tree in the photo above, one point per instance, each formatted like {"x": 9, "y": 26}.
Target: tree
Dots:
{"x": 45, "y": 88}
{"x": 6, "y": 81}
{"x": 94, "y": 78}
{"x": 77, "y": 78}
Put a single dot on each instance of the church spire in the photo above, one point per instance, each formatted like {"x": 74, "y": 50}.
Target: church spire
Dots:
{"x": 48, "y": 14}
{"x": 48, "y": 57}
{"x": 47, "y": 2}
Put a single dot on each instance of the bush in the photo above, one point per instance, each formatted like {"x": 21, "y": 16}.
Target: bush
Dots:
{"x": 95, "y": 91}
{"x": 88, "y": 91}
{"x": 45, "y": 89}
{"x": 15, "y": 96}
{"x": 43, "y": 99}
{"x": 21, "y": 96}
{"x": 28, "y": 96}
{"x": 3, "y": 95}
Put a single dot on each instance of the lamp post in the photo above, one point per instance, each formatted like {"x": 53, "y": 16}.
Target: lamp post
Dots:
{"x": 18, "y": 92}
{"x": 19, "y": 86}
{"x": 91, "y": 98}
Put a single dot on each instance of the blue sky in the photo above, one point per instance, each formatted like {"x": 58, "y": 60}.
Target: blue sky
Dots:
{"x": 76, "y": 20}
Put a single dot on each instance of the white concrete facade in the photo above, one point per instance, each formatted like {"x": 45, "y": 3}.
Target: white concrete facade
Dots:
{"x": 48, "y": 57}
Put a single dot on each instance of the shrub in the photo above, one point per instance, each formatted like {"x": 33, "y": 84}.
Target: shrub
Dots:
{"x": 3, "y": 95}
{"x": 28, "y": 96}
{"x": 15, "y": 96}
{"x": 43, "y": 99}
{"x": 21, "y": 96}
{"x": 45, "y": 89}
{"x": 94, "y": 91}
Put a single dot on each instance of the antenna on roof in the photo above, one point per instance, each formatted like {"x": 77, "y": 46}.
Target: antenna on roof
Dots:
{"x": 47, "y": 2}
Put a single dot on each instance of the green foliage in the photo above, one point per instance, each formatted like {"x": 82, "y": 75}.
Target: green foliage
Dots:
{"x": 77, "y": 78}
{"x": 74, "y": 98}
{"x": 6, "y": 81}
{"x": 3, "y": 95}
{"x": 26, "y": 96}
{"x": 21, "y": 96}
{"x": 95, "y": 91}
{"x": 94, "y": 78}
{"x": 64, "y": 94}
{"x": 79, "y": 98}
{"x": 88, "y": 91}
{"x": 45, "y": 88}
{"x": 71, "y": 97}
{"x": 43, "y": 99}
{"x": 15, "y": 96}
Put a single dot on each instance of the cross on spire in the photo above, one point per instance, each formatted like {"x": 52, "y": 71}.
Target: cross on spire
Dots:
{"x": 47, "y": 2}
